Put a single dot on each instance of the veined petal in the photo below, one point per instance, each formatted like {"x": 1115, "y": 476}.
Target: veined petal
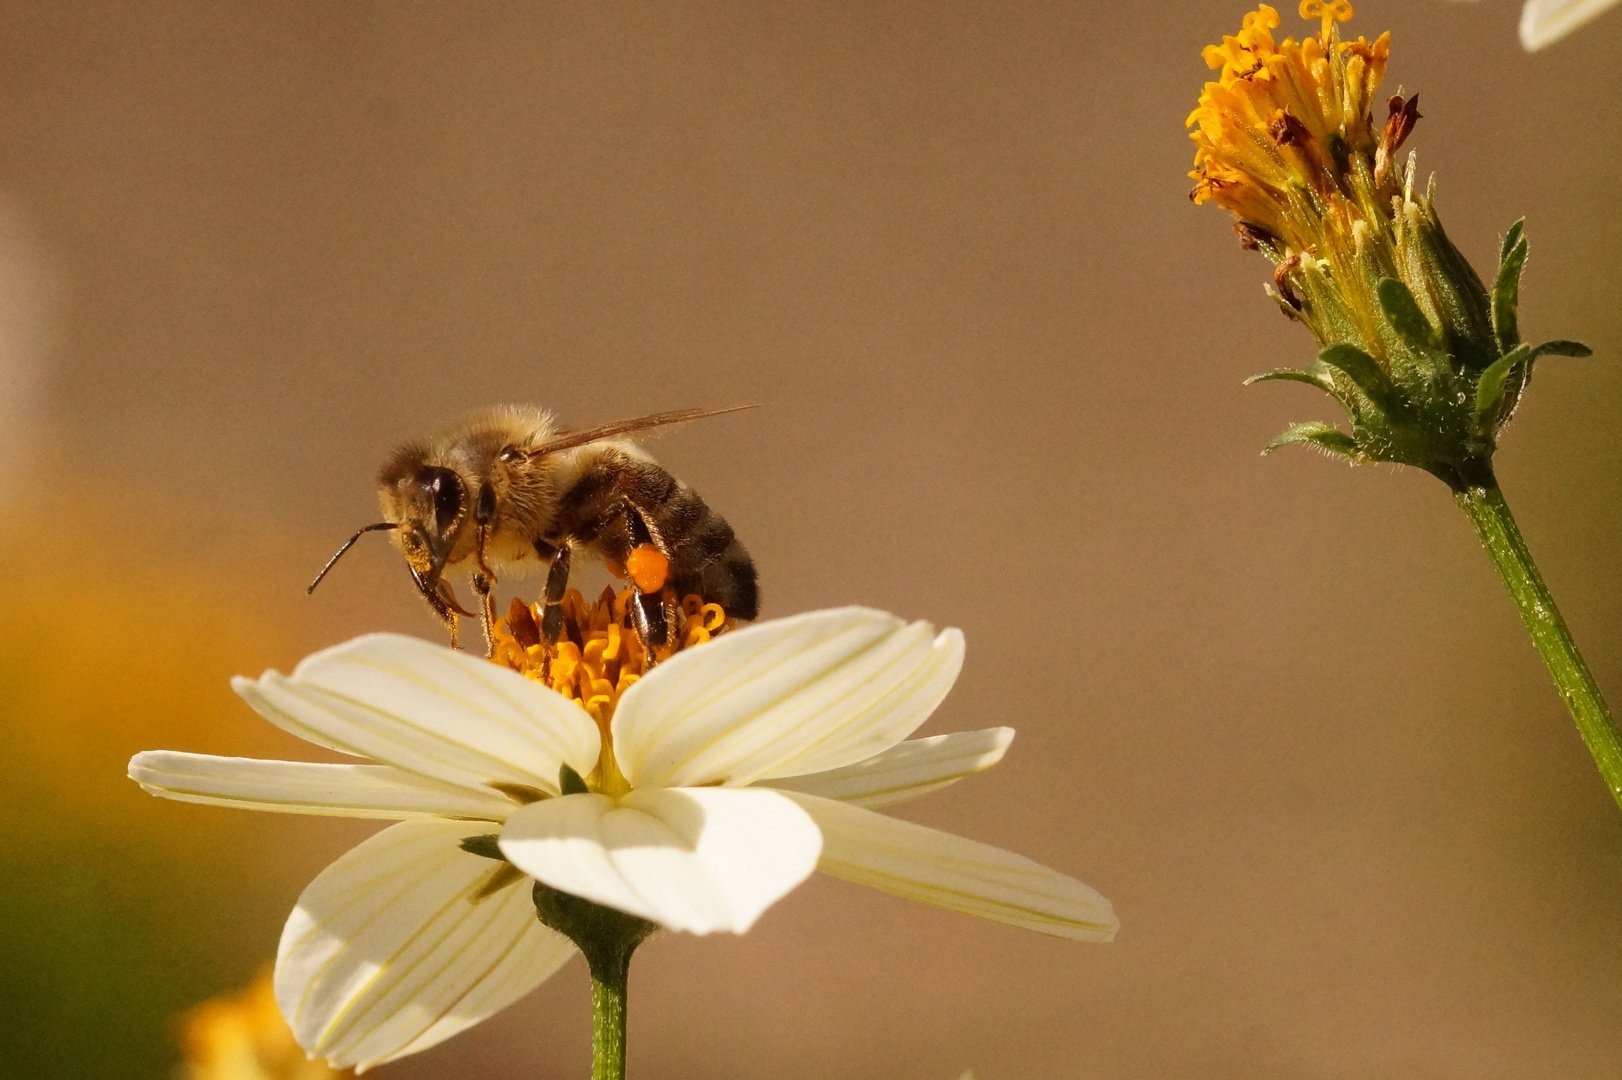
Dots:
{"x": 302, "y": 787}
{"x": 1544, "y": 22}
{"x": 948, "y": 871}
{"x": 783, "y": 698}
{"x": 396, "y": 947}
{"x": 694, "y": 859}
{"x": 431, "y": 711}
{"x": 907, "y": 770}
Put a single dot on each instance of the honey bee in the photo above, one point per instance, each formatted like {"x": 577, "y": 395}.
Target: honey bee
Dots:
{"x": 506, "y": 486}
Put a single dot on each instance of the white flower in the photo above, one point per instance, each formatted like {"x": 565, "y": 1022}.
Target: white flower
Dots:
{"x": 1546, "y": 21}
{"x": 1543, "y": 22}
{"x": 749, "y": 762}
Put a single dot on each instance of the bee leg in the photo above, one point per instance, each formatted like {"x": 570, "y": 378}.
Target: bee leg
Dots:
{"x": 443, "y": 602}
{"x": 484, "y": 584}
{"x": 447, "y": 614}
{"x": 647, "y": 608}
{"x": 484, "y": 587}
{"x": 557, "y": 583}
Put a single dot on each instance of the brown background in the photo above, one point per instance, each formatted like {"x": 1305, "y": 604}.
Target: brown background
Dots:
{"x": 1278, "y": 710}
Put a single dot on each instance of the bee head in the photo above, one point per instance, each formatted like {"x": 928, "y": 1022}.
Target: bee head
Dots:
{"x": 429, "y": 504}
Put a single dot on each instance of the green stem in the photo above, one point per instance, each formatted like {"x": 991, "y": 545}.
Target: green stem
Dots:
{"x": 607, "y": 938}
{"x": 608, "y": 990}
{"x": 1496, "y": 527}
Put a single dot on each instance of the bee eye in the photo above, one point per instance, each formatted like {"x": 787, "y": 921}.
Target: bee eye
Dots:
{"x": 446, "y": 488}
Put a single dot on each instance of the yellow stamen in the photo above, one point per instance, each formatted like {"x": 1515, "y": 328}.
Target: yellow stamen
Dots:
{"x": 1334, "y": 11}
{"x": 599, "y": 656}
{"x": 1285, "y": 139}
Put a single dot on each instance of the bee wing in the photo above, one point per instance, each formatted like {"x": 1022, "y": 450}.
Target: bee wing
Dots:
{"x": 625, "y": 427}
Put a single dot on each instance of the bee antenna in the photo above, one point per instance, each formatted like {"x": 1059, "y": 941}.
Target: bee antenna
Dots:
{"x": 347, "y": 545}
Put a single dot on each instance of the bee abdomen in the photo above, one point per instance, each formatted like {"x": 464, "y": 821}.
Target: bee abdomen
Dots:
{"x": 705, "y": 556}
{"x": 730, "y": 581}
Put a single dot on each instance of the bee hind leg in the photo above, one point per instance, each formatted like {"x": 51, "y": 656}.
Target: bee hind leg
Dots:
{"x": 648, "y": 610}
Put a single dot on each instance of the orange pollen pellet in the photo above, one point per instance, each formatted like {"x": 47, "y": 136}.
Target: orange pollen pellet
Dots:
{"x": 648, "y": 568}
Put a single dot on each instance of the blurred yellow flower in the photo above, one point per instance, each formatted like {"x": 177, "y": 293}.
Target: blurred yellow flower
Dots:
{"x": 244, "y": 1037}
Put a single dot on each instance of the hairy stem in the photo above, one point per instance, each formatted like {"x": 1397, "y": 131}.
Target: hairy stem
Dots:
{"x": 608, "y": 991}
{"x": 607, "y": 938}
{"x": 1504, "y": 543}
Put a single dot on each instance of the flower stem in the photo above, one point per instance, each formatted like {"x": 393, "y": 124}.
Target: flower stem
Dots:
{"x": 1502, "y": 538}
{"x": 608, "y": 992}
{"x": 607, "y": 938}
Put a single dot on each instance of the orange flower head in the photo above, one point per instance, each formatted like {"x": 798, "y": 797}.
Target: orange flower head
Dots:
{"x": 1427, "y": 363}
{"x": 1285, "y": 135}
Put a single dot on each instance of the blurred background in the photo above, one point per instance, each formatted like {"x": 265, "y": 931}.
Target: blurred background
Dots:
{"x": 1280, "y": 711}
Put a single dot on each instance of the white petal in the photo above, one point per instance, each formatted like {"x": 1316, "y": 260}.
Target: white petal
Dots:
{"x": 391, "y": 949}
{"x": 938, "y": 868}
{"x": 915, "y": 767}
{"x": 302, "y": 787}
{"x": 431, "y": 711}
{"x": 694, "y": 859}
{"x": 784, "y": 698}
{"x": 1544, "y": 22}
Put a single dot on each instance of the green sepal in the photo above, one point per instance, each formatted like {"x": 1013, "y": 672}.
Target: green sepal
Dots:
{"x": 484, "y": 846}
{"x": 1491, "y": 386}
{"x": 1506, "y": 293}
{"x": 570, "y": 783}
{"x": 1405, "y": 316}
{"x": 1318, "y": 434}
{"x": 1562, "y": 348}
{"x": 1366, "y": 374}
{"x": 1288, "y": 375}
{"x": 1511, "y": 238}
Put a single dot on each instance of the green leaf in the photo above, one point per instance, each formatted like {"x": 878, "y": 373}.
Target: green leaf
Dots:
{"x": 1366, "y": 374}
{"x": 1318, "y": 434}
{"x": 569, "y": 782}
{"x": 1491, "y": 387}
{"x": 485, "y": 846}
{"x": 1562, "y": 348}
{"x": 1405, "y": 316}
{"x": 1506, "y": 294}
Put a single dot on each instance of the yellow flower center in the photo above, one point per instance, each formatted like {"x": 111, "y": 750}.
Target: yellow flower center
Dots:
{"x": 1287, "y": 128}
{"x": 598, "y": 656}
